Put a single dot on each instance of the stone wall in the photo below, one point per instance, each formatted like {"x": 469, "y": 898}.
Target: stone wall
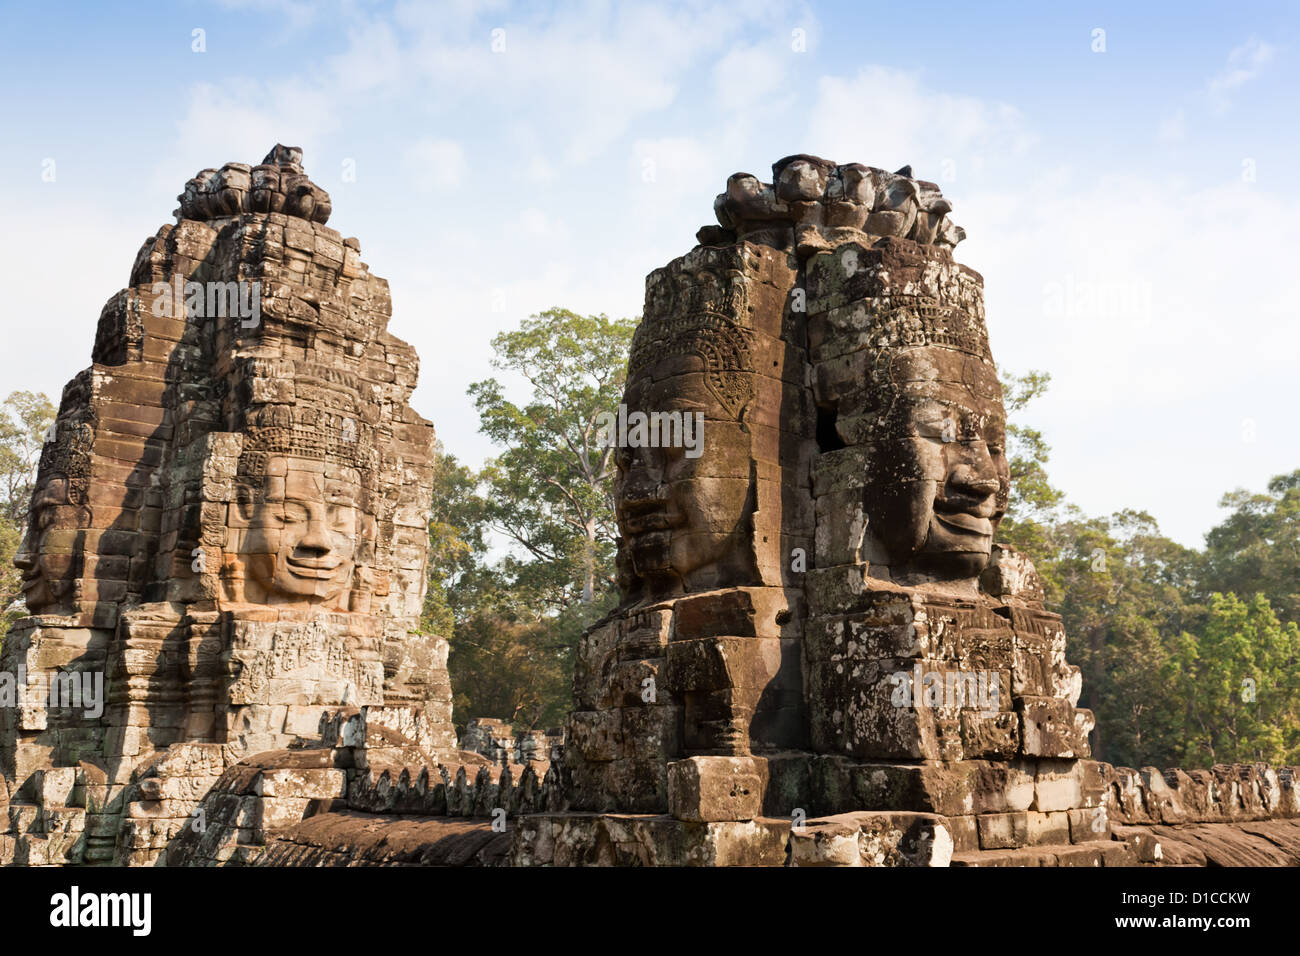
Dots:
{"x": 503, "y": 745}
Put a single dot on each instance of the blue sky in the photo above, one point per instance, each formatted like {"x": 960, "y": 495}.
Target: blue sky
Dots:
{"x": 1132, "y": 210}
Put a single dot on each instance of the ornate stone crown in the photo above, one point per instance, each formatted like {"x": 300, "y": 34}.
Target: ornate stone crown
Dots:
{"x": 722, "y": 344}
{"x": 330, "y": 436}
{"x": 918, "y": 320}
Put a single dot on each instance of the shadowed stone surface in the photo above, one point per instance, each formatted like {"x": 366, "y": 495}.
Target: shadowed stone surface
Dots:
{"x": 821, "y": 559}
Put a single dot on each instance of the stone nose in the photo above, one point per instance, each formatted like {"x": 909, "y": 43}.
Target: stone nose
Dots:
{"x": 316, "y": 539}
{"x": 973, "y": 478}
{"x": 643, "y": 482}
{"x": 967, "y": 479}
{"x": 26, "y": 556}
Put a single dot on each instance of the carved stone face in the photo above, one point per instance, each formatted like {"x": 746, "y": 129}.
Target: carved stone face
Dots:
{"x": 939, "y": 477}
{"x": 50, "y": 556}
{"x": 301, "y": 536}
{"x": 684, "y": 521}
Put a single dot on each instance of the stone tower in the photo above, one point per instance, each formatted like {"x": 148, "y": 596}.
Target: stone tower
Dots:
{"x": 815, "y": 619}
{"x": 229, "y": 527}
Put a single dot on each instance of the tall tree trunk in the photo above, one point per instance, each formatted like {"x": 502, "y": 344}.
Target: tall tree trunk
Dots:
{"x": 1096, "y": 641}
{"x": 589, "y": 563}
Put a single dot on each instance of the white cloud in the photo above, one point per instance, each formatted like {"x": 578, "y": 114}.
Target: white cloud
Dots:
{"x": 538, "y": 169}
{"x": 434, "y": 164}
{"x": 50, "y": 324}
{"x": 890, "y": 117}
{"x": 1164, "y": 309}
{"x": 1173, "y": 128}
{"x": 1244, "y": 64}
{"x": 239, "y": 121}
{"x": 372, "y": 61}
{"x": 675, "y": 165}
{"x": 750, "y": 73}
{"x": 592, "y": 71}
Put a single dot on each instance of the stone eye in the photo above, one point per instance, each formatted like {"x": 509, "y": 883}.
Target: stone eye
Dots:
{"x": 294, "y": 515}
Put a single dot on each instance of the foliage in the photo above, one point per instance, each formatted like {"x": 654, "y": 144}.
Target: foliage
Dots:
{"x": 513, "y": 623}
{"x": 25, "y": 417}
{"x": 1166, "y": 652}
{"x": 457, "y": 543}
{"x": 516, "y": 667}
{"x": 1034, "y": 504}
{"x": 1238, "y": 678}
{"x": 550, "y": 491}
{"x": 1257, "y": 547}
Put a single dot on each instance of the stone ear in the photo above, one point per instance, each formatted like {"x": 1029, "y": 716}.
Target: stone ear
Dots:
{"x": 365, "y": 544}
{"x": 245, "y": 504}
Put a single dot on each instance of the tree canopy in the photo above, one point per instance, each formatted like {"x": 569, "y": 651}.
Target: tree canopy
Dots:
{"x": 25, "y": 418}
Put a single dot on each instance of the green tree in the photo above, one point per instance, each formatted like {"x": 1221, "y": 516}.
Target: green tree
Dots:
{"x": 1033, "y": 496}
{"x": 25, "y": 417}
{"x": 1238, "y": 682}
{"x": 1118, "y": 585}
{"x": 10, "y": 579}
{"x": 457, "y": 545}
{"x": 1034, "y": 508}
{"x": 515, "y": 666}
{"x": 1120, "y": 593}
{"x": 1257, "y": 547}
{"x": 550, "y": 491}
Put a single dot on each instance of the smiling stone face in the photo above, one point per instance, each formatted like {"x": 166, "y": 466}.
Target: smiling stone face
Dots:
{"x": 938, "y": 479}
{"x": 684, "y": 519}
{"x": 914, "y": 429}
{"x": 302, "y": 528}
{"x": 47, "y": 559}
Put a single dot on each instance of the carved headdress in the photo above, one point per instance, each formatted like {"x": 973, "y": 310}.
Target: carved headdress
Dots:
{"x": 918, "y": 320}
{"x": 330, "y": 426}
{"x": 69, "y": 445}
{"x": 688, "y": 312}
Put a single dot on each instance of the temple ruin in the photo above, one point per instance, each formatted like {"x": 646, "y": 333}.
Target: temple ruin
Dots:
{"x": 229, "y": 525}
{"x": 821, "y": 656}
